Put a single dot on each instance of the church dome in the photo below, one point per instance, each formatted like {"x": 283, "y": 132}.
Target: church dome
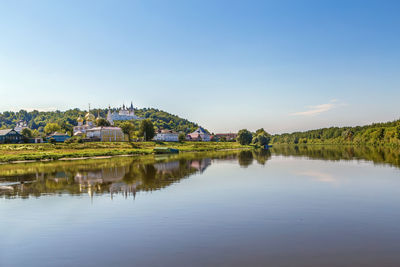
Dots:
{"x": 89, "y": 117}
{"x": 79, "y": 119}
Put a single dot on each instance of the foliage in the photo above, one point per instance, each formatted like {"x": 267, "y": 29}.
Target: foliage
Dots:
{"x": 244, "y": 137}
{"x": 102, "y": 122}
{"x": 127, "y": 128}
{"x": 262, "y": 139}
{"x": 51, "y": 128}
{"x": 146, "y": 130}
{"x": 26, "y": 133}
{"x": 398, "y": 132}
{"x": 375, "y": 134}
{"x": 261, "y": 131}
{"x": 181, "y": 137}
{"x": 37, "y": 120}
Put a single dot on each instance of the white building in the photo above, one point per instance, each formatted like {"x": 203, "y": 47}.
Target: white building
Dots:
{"x": 199, "y": 135}
{"x": 124, "y": 114}
{"x": 20, "y": 126}
{"x": 167, "y": 136}
{"x": 106, "y": 134}
{"x": 83, "y": 128}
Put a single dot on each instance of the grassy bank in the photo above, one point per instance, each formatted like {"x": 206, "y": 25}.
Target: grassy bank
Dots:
{"x": 20, "y": 152}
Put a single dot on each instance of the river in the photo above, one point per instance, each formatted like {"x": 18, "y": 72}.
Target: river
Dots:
{"x": 291, "y": 206}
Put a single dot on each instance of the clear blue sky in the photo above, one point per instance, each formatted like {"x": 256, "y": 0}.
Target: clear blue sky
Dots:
{"x": 281, "y": 65}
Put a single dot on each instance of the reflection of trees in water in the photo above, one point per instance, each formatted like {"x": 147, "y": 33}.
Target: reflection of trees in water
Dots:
{"x": 262, "y": 155}
{"x": 162, "y": 174}
{"x": 378, "y": 155}
{"x": 128, "y": 175}
{"x": 112, "y": 175}
{"x": 246, "y": 157}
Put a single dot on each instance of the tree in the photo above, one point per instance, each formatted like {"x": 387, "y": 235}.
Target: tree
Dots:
{"x": 51, "y": 128}
{"x": 181, "y": 137}
{"x": 381, "y": 133}
{"x": 27, "y": 133}
{"x": 244, "y": 137}
{"x": 127, "y": 128}
{"x": 398, "y": 132}
{"x": 35, "y": 133}
{"x": 262, "y": 139}
{"x": 67, "y": 127}
{"x": 146, "y": 129}
{"x": 348, "y": 135}
{"x": 102, "y": 122}
{"x": 261, "y": 131}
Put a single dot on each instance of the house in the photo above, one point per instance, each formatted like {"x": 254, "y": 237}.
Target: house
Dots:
{"x": 10, "y": 136}
{"x": 106, "y": 134}
{"x": 227, "y": 136}
{"x": 199, "y": 135}
{"x": 59, "y": 137}
{"x": 167, "y": 136}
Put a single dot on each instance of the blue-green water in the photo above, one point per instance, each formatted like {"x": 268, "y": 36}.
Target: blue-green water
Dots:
{"x": 291, "y": 207}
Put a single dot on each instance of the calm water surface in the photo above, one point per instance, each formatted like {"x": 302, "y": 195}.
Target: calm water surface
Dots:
{"x": 294, "y": 206}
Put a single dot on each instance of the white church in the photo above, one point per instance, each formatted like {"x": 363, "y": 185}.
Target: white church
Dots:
{"x": 124, "y": 114}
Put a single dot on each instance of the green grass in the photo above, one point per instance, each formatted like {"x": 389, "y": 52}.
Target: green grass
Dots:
{"x": 22, "y": 152}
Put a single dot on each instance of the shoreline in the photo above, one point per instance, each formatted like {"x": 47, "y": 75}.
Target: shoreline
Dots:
{"x": 28, "y": 153}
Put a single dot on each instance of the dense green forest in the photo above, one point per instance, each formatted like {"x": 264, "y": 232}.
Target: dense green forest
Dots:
{"x": 387, "y": 133}
{"x": 37, "y": 120}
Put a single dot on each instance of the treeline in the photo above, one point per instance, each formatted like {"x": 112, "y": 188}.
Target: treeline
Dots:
{"x": 375, "y": 134}
{"x": 37, "y": 120}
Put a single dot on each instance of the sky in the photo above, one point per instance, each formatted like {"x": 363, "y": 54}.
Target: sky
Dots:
{"x": 281, "y": 65}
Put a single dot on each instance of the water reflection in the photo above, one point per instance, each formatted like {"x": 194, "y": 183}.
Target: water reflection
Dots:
{"x": 122, "y": 175}
{"x": 128, "y": 175}
{"x": 378, "y": 155}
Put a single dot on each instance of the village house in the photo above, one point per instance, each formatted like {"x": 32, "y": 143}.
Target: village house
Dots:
{"x": 166, "y": 136}
{"x": 106, "y": 134}
{"x": 10, "y": 136}
{"x": 199, "y": 135}
{"x": 59, "y": 137}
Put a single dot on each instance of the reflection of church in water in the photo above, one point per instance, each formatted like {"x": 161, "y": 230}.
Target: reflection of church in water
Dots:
{"x": 95, "y": 180}
{"x": 126, "y": 179}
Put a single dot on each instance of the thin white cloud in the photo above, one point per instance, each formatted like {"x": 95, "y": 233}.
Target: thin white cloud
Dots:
{"x": 315, "y": 110}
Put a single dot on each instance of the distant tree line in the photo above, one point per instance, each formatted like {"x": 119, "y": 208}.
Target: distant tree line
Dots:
{"x": 375, "y": 134}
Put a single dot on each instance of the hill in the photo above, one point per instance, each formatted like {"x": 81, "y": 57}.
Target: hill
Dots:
{"x": 387, "y": 133}
{"x": 37, "y": 120}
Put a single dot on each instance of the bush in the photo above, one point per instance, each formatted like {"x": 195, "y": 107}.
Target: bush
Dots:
{"x": 244, "y": 137}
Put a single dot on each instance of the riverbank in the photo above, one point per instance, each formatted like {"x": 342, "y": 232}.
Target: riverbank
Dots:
{"x": 33, "y": 152}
